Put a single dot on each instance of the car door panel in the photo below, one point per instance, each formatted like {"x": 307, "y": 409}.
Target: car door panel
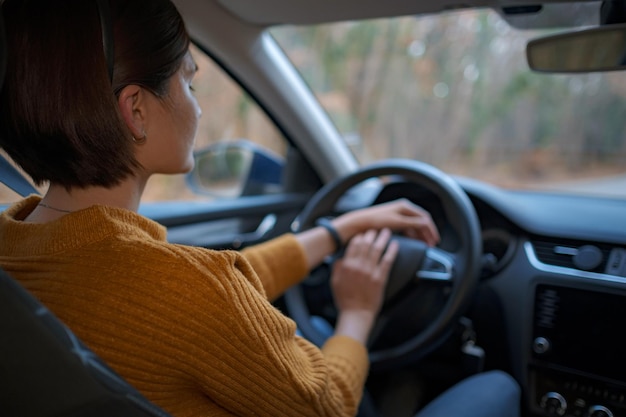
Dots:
{"x": 227, "y": 224}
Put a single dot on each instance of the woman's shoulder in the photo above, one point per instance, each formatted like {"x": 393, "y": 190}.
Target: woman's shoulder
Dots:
{"x": 123, "y": 245}
{"x": 175, "y": 264}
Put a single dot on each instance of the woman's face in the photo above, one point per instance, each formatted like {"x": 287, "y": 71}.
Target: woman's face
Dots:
{"x": 172, "y": 127}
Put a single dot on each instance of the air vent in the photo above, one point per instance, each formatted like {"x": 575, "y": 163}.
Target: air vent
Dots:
{"x": 546, "y": 307}
{"x": 579, "y": 255}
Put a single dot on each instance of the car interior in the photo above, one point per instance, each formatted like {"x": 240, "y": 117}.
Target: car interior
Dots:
{"x": 532, "y": 282}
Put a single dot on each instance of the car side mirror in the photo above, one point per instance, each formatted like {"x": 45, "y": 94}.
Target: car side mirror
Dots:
{"x": 596, "y": 49}
{"x": 234, "y": 169}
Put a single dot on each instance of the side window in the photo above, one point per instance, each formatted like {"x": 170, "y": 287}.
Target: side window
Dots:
{"x": 7, "y": 195}
{"x": 229, "y": 117}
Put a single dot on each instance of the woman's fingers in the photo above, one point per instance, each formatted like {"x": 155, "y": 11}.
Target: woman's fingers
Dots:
{"x": 387, "y": 260}
{"x": 400, "y": 216}
{"x": 419, "y": 224}
{"x": 359, "y": 245}
{"x": 423, "y": 229}
{"x": 360, "y": 277}
{"x": 368, "y": 247}
{"x": 378, "y": 246}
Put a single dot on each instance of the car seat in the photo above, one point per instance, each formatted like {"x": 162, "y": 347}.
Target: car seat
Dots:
{"x": 46, "y": 371}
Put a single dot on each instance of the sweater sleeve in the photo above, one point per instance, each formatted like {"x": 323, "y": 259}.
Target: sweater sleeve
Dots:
{"x": 249, "y": 360}
{"x": 279, "y": 264}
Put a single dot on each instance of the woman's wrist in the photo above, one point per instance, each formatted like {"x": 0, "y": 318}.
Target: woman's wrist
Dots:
{"x": 333, "y": 232}
{"x": 347, "y": 226}
{"x": 356, "y": 324}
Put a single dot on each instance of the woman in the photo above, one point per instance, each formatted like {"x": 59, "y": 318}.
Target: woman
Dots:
{"x": 193, "y": 329}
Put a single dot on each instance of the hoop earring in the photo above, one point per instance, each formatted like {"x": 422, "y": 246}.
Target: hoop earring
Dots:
{"x": 141, "y": 140}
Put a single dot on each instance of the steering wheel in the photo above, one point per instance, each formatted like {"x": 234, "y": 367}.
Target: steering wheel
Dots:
{"x": 416, "y": 265}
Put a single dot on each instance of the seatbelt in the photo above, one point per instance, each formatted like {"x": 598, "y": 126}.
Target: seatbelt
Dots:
{"x": 13, "y": 179}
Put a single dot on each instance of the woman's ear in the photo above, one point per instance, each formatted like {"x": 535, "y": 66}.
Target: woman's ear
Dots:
{"x": 132, "y": 106}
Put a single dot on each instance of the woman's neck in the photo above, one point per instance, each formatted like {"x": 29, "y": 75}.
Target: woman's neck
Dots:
{"x": 58, "y": 201}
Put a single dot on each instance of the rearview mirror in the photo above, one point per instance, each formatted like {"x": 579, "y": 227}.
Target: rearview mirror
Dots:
{"x": 597, "y": 49}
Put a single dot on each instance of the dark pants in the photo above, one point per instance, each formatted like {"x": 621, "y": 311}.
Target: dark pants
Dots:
{"x": 489, "y": 394}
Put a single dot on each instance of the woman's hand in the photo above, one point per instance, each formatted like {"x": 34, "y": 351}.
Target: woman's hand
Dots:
{"x": 399, "y": 216}
{"x": 359, "y": 280}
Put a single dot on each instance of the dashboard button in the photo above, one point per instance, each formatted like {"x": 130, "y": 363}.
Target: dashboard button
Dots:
{"x": 616, "y": 264}
{"x": 554, "y": 404}
{"x": 541, "y": 345}
{"x": 588, "y": 257}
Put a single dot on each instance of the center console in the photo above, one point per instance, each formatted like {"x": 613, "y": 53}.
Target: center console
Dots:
{"x": 578, "y": 366}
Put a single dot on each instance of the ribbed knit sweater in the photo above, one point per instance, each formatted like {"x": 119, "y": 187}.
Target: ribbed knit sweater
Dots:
{"x": 193, "y": 329}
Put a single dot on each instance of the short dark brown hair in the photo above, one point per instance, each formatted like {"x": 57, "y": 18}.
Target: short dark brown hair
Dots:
{"x": 59, "y": 118}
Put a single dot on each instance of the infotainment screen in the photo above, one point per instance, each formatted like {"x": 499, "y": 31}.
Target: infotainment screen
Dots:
{"x": 581, "y": 330}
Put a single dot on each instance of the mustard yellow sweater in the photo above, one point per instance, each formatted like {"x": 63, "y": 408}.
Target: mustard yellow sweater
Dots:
{"x": 193, "y": 329}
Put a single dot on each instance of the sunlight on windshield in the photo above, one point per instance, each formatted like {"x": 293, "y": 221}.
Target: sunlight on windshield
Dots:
{"x": 455, "y": 91}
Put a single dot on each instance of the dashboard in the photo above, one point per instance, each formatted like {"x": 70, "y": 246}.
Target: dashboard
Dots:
{"x": 556, "y": 267}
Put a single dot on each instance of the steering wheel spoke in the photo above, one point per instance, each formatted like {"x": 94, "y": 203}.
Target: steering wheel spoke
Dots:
{"x": 438, "y": 266}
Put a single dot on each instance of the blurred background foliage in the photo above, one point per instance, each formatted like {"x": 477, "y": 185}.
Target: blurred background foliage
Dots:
{"x": 455, "y": 90}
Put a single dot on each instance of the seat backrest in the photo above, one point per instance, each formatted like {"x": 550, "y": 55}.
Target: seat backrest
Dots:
{"x": 46, "y": 371}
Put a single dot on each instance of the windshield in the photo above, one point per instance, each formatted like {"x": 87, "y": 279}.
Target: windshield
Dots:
{"x": 454, "y": 90}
